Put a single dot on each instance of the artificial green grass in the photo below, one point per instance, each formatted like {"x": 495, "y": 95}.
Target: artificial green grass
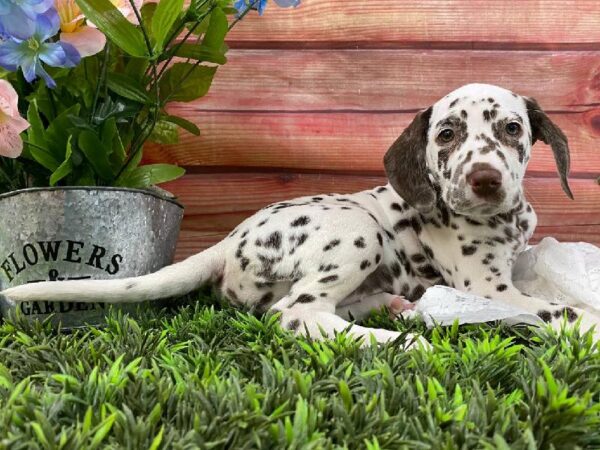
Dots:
{"x": 208, "y": 376}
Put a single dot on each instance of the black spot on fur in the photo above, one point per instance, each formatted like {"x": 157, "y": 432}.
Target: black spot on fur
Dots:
{"x": 377, "y": 258}
{"x": 265, "y": 300}
{"x": 463, "y": 114}
{"x": 293, "y": 325}
{"x": 130, "y": 286}
{"x": 273, "y": 240}
{"x": 453, "y": 102}
{"x": 231, "y": 294}
{"x": 416, "y": 293}
{"x": 396, "y": 207}
{"x": 571, "y": 315}
{"x": 402, "y": 225}
{"x": 244, "y": 263}
{"x": 263, "y": 284}
{"x": 364, "y": 264}
{"x": 395, "y": 269}
{"x": 329, "y": 279}
{"x": 262, "y": 222}
{"x": 379, "y": 238}
{"x": 468, "y": 250}
{"x": 414, "y": 222}
{"x": 244, "y": 234}
{"x": 323, "y": 294}
{"x": 428, "y": 272}
{"x": 360, "y": 242}
{"x": 546, "y": 316}
{"x": 390, "y": 236}
{"x": 332, "y": 244}
{"x": 418, "y": 258}
{"x": 467, "y": 282}
{"x": 381, "y": 189}
{"x": 501, "y": 287}
{"x": 300, "y": 221}
{"x": 328, "y": 267}
{"x": 428, "y": 251}
{"x": 305, "y": 298}
{"x": 301, "y": 239}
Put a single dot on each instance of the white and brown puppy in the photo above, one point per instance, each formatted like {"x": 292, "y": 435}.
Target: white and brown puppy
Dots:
{"x": 453, "y": 213}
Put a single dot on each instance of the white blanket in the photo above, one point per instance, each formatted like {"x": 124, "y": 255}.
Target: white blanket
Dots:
{"x": 565, "y": 273}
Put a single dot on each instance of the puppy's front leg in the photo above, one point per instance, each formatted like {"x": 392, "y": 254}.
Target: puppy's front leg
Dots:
{"x": 501, "y": 288}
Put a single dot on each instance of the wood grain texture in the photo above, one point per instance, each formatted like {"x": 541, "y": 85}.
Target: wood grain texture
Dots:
{"x": 216, "y": 203}
{"x": 343, "y": 142}
{"x": 396, "y": 80}
{"x": 472, "y": 23}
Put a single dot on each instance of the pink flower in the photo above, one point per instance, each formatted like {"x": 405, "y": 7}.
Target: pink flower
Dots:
{"x": 86, "y": 40}
{"x": 11, "y": 122}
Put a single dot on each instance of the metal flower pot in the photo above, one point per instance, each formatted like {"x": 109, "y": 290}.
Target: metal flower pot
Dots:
{"x": 74, "y": 233}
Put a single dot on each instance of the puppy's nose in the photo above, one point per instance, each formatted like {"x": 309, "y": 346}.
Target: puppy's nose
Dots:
{"x": 485, "y": 182}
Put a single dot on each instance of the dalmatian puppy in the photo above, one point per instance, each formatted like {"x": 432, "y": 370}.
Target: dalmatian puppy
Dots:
{"x": 453, "y": 213}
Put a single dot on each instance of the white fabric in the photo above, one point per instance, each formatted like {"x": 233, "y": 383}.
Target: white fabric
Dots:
{"x": 564, "y": 273}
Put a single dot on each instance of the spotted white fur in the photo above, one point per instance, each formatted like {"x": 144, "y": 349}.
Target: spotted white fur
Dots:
{"x": 322, "y": 259}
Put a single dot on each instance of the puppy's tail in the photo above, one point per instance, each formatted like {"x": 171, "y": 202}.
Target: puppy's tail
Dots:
{"x": 173, "y": 280}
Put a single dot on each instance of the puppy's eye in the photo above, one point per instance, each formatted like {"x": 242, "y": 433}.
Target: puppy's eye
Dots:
{"x": 446, "y": 135}
{"x": 513, "y": 128}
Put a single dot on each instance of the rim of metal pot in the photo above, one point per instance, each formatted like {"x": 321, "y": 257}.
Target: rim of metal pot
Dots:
{"x": 92, "y": 188}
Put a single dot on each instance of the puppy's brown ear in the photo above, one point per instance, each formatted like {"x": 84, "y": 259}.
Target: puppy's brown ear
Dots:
{"x": 406, "y": 167}
{"x": 546, "y": 131}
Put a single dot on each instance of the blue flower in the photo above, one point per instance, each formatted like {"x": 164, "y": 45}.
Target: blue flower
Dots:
{"x": 260, "y": 5}
{"x": 30, "y": 53}
{"x": 18, "y": 17}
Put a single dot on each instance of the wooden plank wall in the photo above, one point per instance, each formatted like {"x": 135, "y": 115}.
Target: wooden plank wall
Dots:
{"x": 311, "y": 99}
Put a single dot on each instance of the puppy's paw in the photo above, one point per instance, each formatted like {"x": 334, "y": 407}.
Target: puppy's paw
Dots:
{"x": 400, "y": 307}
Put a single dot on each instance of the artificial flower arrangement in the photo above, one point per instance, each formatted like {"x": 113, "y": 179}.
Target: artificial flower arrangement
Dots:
{"x": 85, "y": 84}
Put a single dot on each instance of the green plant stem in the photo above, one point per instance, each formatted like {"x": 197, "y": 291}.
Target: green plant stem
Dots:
{"x": 100, "y": 81}
{"x": 250, "y": 7}
{"x": 138, "y": 143}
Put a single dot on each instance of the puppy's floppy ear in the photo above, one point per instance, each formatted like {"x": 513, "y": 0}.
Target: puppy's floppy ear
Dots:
{"x": 406, "y": 167}
{"x": 545, "y": 130}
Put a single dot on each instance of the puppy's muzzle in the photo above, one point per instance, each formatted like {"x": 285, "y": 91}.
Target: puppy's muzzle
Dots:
{"x": 485, "y": 181}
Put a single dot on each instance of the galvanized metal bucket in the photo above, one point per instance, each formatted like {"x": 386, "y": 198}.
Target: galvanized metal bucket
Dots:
{"x": 74, "y": 233}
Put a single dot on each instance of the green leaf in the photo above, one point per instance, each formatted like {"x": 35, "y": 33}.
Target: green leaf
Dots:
{"x": 164, "y": 17}
{"x": 183, "y": 123}
{"x": 58, "y": 132}
{"x": 96, "y": 153}
{"x": 217, "y": 29}
{"x": 157, "y": 439}
{"x": 129, "y": 168}
{"x": 200, "y": 53}
{"x": 152, "y": 174}
{"x": 127, "y": 87}
{"x": 110, "y": 137}
{"x": 164, "y": 132}
{"x": 136, "y": 68}
{"x": 35, "y": 133}
{"x": 185, "y": 82}
{"x": 65, "y": 168}
{"x": 117, "y": 28}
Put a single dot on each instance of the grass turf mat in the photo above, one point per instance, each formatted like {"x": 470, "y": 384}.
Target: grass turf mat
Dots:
{"x": 208, "y": 376}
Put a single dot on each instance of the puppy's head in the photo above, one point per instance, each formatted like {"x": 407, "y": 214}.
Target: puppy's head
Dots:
{"x": 471, "y": 149}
